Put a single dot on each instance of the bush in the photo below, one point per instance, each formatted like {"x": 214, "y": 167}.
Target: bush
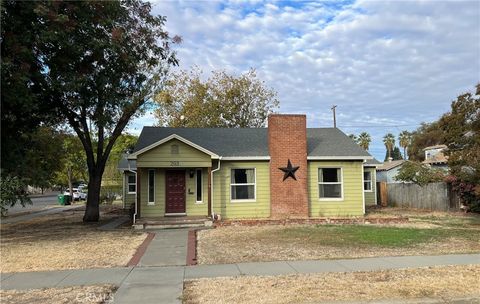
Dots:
{"x": 419, "y": 174}
{"x": 468, "y": 192}
{"x": 109, "y": 193}
{"x": 12, "y": 191}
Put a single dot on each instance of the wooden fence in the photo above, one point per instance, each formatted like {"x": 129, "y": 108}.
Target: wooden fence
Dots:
{"x": 434, "y": 196}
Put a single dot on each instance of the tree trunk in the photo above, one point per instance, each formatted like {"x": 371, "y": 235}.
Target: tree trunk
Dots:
{"x": 70, "y": 182}
{"x": 92, "y": 211}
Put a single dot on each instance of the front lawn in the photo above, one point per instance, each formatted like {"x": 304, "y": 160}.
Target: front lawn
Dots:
{"x": 77, "y": 294}
{"x": 441, "y": 283}
{"x": 296, "y": 242}
{"x": 63, "y": 241}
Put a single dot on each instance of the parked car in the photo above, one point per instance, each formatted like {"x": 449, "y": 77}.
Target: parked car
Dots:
{"x": 78, "y": 194}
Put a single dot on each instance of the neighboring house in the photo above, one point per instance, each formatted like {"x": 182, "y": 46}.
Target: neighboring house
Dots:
{"x": 388, "y": 170}
{"x": 283, "y": 171}
{"x": 435, "y": 157}
{"x": 370, "y": 181}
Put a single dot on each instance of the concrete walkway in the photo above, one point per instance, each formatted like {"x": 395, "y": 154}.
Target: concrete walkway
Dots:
{"x": 151, "y": 284}
{"x": 29, "y": 216}
{"x": 168, "y": 248}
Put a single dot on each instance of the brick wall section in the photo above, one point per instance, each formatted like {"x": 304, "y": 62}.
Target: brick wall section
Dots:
{"x": 287, "y": 139}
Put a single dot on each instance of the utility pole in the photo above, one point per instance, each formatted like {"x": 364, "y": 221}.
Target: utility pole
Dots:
{"x": 334, "y": 116}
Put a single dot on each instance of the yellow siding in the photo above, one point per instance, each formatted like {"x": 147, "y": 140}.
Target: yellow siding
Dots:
{"x": 371, "y": 195}
{"x": 128, "y": 197}
{"x": 352, "y": 203}
{"x": 194, "y": 208}
{"x": 161, "y": 156}
{"x": 158, "y": 209}
{"x": 232, "y": 210}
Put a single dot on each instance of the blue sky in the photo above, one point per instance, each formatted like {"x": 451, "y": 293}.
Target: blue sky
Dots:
{"x": 387, "y": 65}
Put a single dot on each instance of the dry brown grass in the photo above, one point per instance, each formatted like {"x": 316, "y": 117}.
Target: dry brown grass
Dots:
{"x": 63, "y": 241}
{"x": 254, "y": 244}
{"x": 78, "y": 294}
{"x": 269, "y": 243}
{"x": 442, "y": 283}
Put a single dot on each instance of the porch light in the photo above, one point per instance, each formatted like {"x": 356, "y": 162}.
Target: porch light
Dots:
{"x": 192, "y": 173}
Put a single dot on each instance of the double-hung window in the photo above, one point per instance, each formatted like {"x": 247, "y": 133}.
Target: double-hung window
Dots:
{"x": 151, "y": 187}
{"x": 242, "y": 184}
{"x": 367, "y": 181}
{"x": 330, "y": 183}
{"x": 132, "y": 184}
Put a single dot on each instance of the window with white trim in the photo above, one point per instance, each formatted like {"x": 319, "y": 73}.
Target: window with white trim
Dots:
{"x": 199, "y": 185}
{"x": 367, "y": 181}
{"x": 132, "y": 184}
{"x": 330, "y": 183}
{"x": 242, "y": 184}
{"x": 151, "y": 187}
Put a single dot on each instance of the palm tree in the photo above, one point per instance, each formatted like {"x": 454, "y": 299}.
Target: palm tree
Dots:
{"x": 404, "y": 140}
{"x": 364, "y": 140}
{"x": 353, "y": 137}
{"x": 389, "y": 141}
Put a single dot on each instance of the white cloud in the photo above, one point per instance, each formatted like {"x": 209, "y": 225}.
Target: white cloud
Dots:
{"x": 381, "y": 62}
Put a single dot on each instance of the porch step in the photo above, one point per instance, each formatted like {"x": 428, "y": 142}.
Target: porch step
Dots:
{"x": 173, "y": 223}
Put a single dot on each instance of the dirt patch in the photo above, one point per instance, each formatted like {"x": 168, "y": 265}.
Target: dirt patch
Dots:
{"x": 63, "y": 241}
{"x": 273, "y": 243}
{"x": 442, "y": 283}
{"x": 78, "y": 294}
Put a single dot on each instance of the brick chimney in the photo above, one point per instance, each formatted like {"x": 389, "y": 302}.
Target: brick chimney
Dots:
{"x": 287, "y": 140}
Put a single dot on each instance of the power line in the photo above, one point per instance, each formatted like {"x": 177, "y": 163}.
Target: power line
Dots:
{"x": 380, "y": 126}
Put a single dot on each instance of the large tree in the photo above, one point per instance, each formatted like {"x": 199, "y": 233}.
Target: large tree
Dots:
{"x": 364, "y": 140}
{"x": 428, "y": 134}
{"x": 101, "y": 62}
{"x": 461, "y": 133}
{"x": 222, "y": 100}
{"x": 389, "y": 142}
{"x": 404, "y": 139}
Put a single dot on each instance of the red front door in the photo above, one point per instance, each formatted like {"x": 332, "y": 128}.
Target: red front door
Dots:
{"x": 175, "y": 192}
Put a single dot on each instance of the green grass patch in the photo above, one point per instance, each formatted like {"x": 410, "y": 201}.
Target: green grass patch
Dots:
{"x": 369, "y": 236}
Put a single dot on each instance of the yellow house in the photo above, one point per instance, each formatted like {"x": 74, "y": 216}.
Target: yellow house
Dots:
{"x": 284, "y": 171}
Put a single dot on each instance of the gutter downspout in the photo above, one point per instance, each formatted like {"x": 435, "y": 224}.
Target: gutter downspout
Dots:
{"x": 211, "y": 181}
{"x": 123, "y": 186}
{"x": 136, "y": 187}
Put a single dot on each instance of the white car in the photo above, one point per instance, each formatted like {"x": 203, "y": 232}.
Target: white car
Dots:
{"x": 77, "y": 194}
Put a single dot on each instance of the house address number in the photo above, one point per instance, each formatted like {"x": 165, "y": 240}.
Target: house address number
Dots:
{"x": 174, "y": 163}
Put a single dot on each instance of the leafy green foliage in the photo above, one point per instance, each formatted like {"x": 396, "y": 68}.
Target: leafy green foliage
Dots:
{"x": 222, "y": 100}
{"x": 405, "y": 139}
{"x": 419, "y": 174}
{"x": 22, "y": 85}
{"x": 43, "y": 156}
{"x": 364, "y": 140}
{"x": 428, "y": 134}
{"x": 389, "y": 142}
{"x": 12, "y": 191}
{"x": 112, "y": 177}
{"x": 95, "y": 64}
{"x": 461, "y": 133}
{"x": 73, "y": 162}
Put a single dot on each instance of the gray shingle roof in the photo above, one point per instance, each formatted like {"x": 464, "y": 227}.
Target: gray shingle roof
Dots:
{"x": 372, "y": 162}
{"x": 230, "y": 142}
{"x": 126, "y": 164}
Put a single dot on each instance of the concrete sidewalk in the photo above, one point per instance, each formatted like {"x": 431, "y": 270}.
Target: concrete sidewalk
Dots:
{"x": 153, "y": 284}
